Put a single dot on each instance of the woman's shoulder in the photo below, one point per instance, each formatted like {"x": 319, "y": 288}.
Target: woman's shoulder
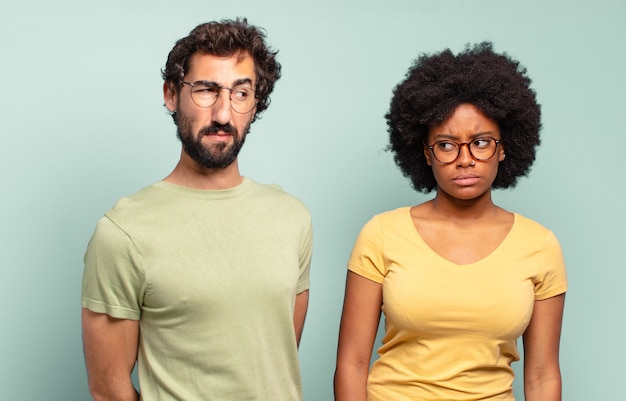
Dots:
{"x": 527, "y": 224}
{"x": 531, "y": 233}
{"x": 393, "y": 216}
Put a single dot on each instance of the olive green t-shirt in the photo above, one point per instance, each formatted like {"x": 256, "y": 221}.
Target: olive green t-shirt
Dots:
{"x": 212, "y": 278}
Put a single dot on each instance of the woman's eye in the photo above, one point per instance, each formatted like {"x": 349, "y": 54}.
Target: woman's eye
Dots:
{"x": 482, "y": 142}
{"x": 446, "y": 146}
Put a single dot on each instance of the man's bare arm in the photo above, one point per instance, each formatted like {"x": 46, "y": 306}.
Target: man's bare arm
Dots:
{"x": 110, "y": 354}
{"x": 299, "y": 314}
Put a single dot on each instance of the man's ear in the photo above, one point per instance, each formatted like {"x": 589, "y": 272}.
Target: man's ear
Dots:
{"x": 170, "y": 96}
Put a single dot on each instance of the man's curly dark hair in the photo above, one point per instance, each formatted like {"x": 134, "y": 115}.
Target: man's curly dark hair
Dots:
{"x": 226, "y": 38}
{"x": 436, "y": 84}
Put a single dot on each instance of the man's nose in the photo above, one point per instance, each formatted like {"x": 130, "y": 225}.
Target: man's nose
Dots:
{"x": 222, "y": 111}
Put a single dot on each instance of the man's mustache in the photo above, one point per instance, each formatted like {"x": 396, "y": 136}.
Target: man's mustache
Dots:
{"x": 215, "y": 128}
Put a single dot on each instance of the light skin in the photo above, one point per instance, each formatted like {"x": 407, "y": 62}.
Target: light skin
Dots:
{"x": 110, "y": 347}
{"x": 110, "y": 344}
{"x": 226, "y": 71}
{"x": 463, "y": 225}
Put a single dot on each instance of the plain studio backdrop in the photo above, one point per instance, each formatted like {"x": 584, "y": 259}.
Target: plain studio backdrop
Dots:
{"x": 83, "y": 124}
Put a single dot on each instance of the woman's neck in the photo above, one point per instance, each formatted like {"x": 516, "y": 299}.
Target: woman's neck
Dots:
{"x": 452, "y": 208}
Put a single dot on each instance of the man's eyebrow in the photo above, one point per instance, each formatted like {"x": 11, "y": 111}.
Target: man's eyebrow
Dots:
{"x": 237, "y": 82}
{"x": 207, "y": 83}
{"x": 242, "y": 81}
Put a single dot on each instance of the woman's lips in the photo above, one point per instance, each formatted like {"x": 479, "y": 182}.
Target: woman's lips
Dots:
{"x": 467, "y": 179}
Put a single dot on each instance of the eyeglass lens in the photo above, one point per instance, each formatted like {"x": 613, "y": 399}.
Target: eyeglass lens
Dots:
{"x": 204, "y": 94}
{"x": 480, "y": 148}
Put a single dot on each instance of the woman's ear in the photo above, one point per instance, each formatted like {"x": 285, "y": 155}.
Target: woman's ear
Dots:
{"x": 501, "y": 154}
{"x": 427, "y": 155}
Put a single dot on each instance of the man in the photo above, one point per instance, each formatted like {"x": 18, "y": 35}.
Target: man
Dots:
{"x": 202, "y": 278}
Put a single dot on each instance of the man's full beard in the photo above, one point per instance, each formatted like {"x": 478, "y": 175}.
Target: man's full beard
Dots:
{"x": 221, "y": 155}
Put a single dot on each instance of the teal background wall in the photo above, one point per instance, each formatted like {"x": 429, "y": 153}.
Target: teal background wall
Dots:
{"x": 82, "y": 124}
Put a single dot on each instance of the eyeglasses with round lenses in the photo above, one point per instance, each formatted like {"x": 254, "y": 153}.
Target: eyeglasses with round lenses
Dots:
{"x": 205, "y": 94}
{"x": 482, "y": 148}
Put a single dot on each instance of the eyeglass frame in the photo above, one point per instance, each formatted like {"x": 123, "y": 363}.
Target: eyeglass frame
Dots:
{"x": 219, "y": 92}
{"x": 469, "y": 149}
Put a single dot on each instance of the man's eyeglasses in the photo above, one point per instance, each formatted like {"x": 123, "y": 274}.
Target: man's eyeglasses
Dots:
{"x": 205, "y": 94}
{"x": 482, "y": 148}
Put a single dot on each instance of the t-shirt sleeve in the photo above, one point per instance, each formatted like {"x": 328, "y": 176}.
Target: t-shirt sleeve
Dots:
{"x": 552, "y": 279}
{"x": 306, "y": 250}
{"x": 366, "y": 258}
{"x": 113, "y": 280}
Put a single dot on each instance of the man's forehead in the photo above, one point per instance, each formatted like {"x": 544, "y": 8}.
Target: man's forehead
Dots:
{"x": 203, "y": 60}
{"x": 224, "y": 70}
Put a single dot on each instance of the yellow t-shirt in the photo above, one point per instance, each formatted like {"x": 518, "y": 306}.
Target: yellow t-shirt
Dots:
{"x": 451, "y": 330}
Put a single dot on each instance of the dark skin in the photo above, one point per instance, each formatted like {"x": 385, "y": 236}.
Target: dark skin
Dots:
{"x": 462, "y": 225}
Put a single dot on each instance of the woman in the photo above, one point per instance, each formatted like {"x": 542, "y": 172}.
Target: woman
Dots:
{"x": 458, "y": 278}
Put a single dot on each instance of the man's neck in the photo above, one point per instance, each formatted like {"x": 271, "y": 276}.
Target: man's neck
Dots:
{"x": 189, "y": 174}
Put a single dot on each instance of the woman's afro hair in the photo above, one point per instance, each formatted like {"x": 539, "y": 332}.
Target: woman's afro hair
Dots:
{"x": 437, "y": 83}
